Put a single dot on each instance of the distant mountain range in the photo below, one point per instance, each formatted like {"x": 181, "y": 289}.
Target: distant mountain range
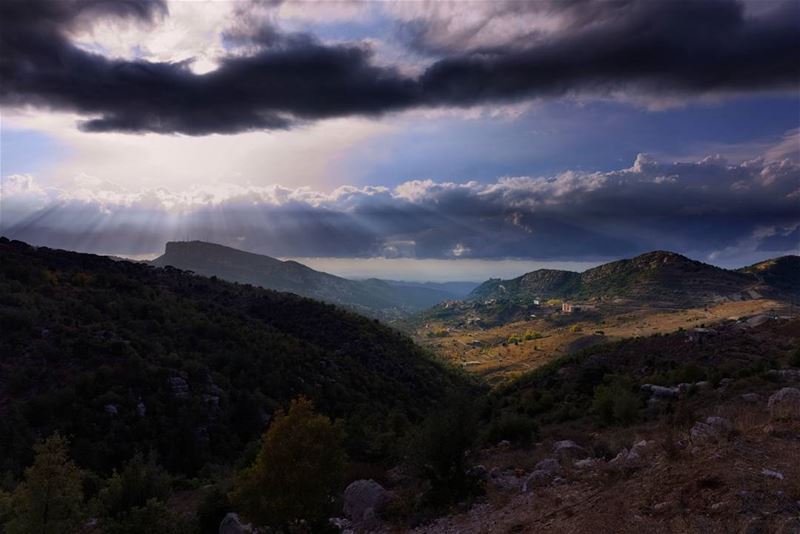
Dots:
{"x": 656, "y": 278}
{"x": 377, "y": 298}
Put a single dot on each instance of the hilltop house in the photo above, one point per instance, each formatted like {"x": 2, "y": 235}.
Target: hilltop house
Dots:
{"x": 568, "y": 307}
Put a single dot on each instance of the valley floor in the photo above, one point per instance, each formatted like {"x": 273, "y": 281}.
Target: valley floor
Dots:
{"x": 501, "y": 352}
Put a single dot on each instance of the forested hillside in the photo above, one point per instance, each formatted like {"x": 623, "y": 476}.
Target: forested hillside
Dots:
{"x": 126, "y": 357}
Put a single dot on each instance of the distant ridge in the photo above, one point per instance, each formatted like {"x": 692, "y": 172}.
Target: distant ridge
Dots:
{"x": 373, "y": 297}
{"x": 658, "y": 277}
{"x": 782, "y": 273}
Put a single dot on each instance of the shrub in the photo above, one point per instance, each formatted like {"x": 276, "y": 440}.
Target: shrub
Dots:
{"x": 614, "y": 402}
{"x": 297, "y": 473}
{"x": 138, "y": 483}
{"x": 153, "y": 517}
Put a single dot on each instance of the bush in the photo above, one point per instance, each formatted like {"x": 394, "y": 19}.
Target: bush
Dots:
{"x": 614, "y": 402}
{"x": 138, "y": 483}
{"x": 153, "y": 517}
{"x": 298, "y": 471}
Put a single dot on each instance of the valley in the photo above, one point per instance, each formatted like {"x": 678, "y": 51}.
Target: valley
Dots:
{"x": 502, "y": 352}
{"x": 512, "y": 413}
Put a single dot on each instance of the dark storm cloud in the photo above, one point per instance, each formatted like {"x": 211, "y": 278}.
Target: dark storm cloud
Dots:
{"x": 697, "y": 208}
{"x": 639, "y": 46}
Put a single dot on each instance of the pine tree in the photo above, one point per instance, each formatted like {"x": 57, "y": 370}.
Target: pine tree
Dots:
{"x": 50, "y": 499}
{"x": 297, "y": 473}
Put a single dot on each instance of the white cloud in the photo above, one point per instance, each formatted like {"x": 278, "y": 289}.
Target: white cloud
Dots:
{"x": 706, "y": 208}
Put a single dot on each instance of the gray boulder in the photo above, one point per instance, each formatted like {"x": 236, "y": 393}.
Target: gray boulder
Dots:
{"x": 504, "y": 479}
{"x": 632, "y": 458}
{"x": 585, "y": 463}
{"x": 568, "y": 450}
{"x": 712, "y": 430}
{"x": 660, "y": 392}
{"x": 231, "y": 524}
{"x": 179, "y": 387}
{"x": 785, "y": 404}
{"x": 543, "y": 474}
{"x": 363, "y": 499}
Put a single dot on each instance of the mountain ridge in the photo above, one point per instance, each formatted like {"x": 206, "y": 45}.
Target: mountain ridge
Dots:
{"x": 657, "y": 276}
{"x": 374, "y": 297}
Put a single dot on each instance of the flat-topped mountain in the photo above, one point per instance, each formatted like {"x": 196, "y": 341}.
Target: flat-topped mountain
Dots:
{"x": 373, "y": 297}
{"x": 654, "y": 277}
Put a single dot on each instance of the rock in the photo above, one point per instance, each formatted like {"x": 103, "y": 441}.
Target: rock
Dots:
{"x": 112, "y": 409}
{"x": 660, "y": 392}
{"x": 641, "y": 449}
{"x": 631, "y": 458}
{"x": 549, "y": 464}
{"x": 720, "y": 423}
{"x": 231, "y": 524}
{"x": 343, "y": 524}
{"x": 212, "y": 401}
{"x": 504, "y": 480}
{"x": 543, "y": 474}
{"x": 363, "y": 499}
{"x": 772, "y": 474}
{"x": 478, "y": 472}
{"x": 703, "y": 384}
{"x": 785, "y": 404}
{"x": 786, "y": 375}
{"x": 504, "y": 444}
{"x": 713, "y": 430}
{"x": 179, "y": 387}
{"x": 718, "y": 506}
{"x": 141, "y": 409}
{"x": 660, "y": 507}
{"x": 751, "y": 397}
{"x": 684, "y": 388}
{"x": 568, "y": 450}
{"x": 586, "y": 463}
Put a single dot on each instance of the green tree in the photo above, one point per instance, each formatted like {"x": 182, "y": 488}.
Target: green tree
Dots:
{"x": 298, "y": 471}
{"x": 50, "y": 499}
{"x": 438, "y": 450}
{"x": 134, "y": 497}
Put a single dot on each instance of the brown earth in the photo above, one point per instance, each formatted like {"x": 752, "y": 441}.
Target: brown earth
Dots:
{"x": 488, "y": 353}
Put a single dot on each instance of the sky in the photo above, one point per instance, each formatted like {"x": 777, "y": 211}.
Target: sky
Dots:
{"x": 408, "y": 140}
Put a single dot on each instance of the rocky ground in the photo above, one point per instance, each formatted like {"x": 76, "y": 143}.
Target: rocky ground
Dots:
{"x": 734, "y": 468}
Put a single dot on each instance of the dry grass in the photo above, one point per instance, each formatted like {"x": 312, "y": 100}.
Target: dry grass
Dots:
{"x": 495, "y": 361}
